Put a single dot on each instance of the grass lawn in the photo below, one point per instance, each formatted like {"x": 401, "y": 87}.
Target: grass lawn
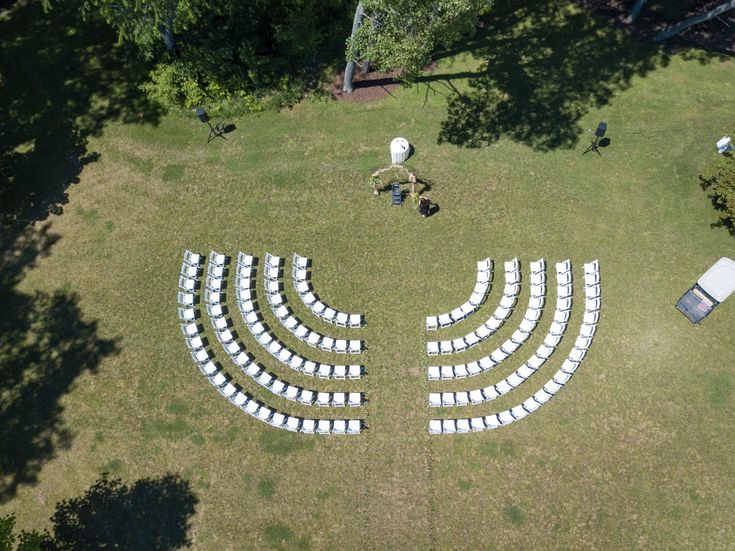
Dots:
{"x": 636, "y": 452}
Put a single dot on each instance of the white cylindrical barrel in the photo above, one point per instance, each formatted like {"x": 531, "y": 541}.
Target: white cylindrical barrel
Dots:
{"x": 399, "y": 150}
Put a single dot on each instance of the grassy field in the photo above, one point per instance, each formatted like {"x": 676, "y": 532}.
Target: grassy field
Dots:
{"x": 636, "y": 451}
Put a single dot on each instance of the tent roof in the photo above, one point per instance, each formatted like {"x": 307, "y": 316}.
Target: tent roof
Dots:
{"x": 719, "y": 280}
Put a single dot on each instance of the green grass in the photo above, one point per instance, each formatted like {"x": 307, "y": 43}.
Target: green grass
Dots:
{"x": 635, "y": 453}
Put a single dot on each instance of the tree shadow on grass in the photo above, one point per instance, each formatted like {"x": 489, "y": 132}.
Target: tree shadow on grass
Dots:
{"x": 152, "y": 514}
{"x": 62, "y": 80}
{"x": 544, "y": 66}
{"x": 45, "y": 344}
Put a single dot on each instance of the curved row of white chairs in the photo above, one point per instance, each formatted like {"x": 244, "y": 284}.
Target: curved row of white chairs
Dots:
{"x": 520, "y": 375}
{"x": 223, "y": 384}
{"x": 593, "y": 303}
{"x": 221, "y": 326}
{"x": 525, "y": 328}
{"x": 277, "y": 301}
{"x": 249, "y": 311}
{"x": 502, "y": 312}
{"x": 302, "y": 284}
{"x": 483, "y": 280}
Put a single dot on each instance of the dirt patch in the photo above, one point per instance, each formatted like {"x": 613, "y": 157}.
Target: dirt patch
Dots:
{"x": 716, "y": 35}
{"x": 370, "y": 86}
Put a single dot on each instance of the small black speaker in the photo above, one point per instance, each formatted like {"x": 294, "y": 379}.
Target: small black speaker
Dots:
{"x": 202, "y": 114}
{"x": 601, "y": 129}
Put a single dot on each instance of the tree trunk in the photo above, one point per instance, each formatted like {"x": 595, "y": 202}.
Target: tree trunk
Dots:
{"x": 350, "y": 67}
{"x": 700, "y": 18}
{"x": 167, "y": 31}
{"x": 635, "y": 10}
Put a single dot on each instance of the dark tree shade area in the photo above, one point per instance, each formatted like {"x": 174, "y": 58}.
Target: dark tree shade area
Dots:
{"x": 152, "y": 514}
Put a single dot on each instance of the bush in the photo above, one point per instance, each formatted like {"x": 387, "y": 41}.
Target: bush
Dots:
{"x": 719, "y": 183}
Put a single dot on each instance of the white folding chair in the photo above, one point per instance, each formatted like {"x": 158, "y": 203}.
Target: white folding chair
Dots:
{"x": 355, "y": 320}
{"x": 432, "y": 323}
{"x": 354, "y": 426}
{"x": 435, "y": 399}
{"x": 435, "y": 426}
{"x": 354, "y": 399}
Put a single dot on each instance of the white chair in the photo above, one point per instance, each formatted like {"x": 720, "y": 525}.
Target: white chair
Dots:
{"x": 239, "y": 399}
{"x": 447, "y": 372}
{"x": 355, "y": 347}
{"x": 509, "y": 346}
{"x": 525, "y": 371}
{"x": 308, "y": 426}
{"x": 291, "y": 392}
{"x": 552, "y": 387}
{"x": 200, "y": 356}
{"x": 530, "y": 405}
{"x": 187, "y": 284}
{"x": 477, "y": 424}
{"x": 435, "y": 426}
{"x": 561, "y": 377}
{"x": 432, "y": 348}
{"x": 435, "y": 399}
{"x": 339, "y": 426}
{"x": 306, "y": 397}
{"x": 445, "y": 320}
{"x": 492, "y": 421}
{"x": 341, "y": 319}
{"x": 448, "y": 399}
{"x": 195, "y": 343}
{"x": 278, "y": 420}
{"x": 339, "y": 372}
{"x": 537, "y": 266}
{"x": 324, "y": 371}
{"x": 432, "y": 323}
{"x": 514, "y": 379}
{"x": 217, "y": 259}
{"x": 300, "y": 262}
{"x": 309, "y": 368}
{"x": 564, "y": 267}
{"x": 313, "y": 339}
{"x": 458, "y": 344}
{"x": 457, "y": 315}
{"x": 209, "y": 369}
{"x": 463, "y": 425}
{"x": 354, "y": 399}
{"x": 292, "y": 424}
{"x": 192, "y": 258}
{"x": 518, "y": 412}
{"x": 188, "y": 271}
{"x": 265, "y": 379}
{"x": 327, "y": 344}
{"x": 461, "y": 398}
{"x": 505, "y": 417}
{"x": 460, "y": 371}
{"x": 445, "y": 347}
{"x": 354, "y": 371}
{"x": 215, "y": 272}
{"x": 551, "y": 340}
{"x": 329, "y": 314}
{"x": 354, "y": 426}
{"x": 484, "y": 265}
{"x": 185, "y": 299}
{"x": 339, "y": 399}
{"x": 471, "y": 339}
{"x": 434, "y": 373}
{"x": 476, "y": 396}
{"x": 187, "y": 314}
{"x": 502, "y": 387}
{"x": 323, "y": 426}
{"x": 449, "y": 426}
{"x": 355, "y": 320}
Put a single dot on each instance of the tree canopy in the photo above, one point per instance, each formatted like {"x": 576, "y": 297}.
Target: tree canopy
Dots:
{"x": 403, "y": 34}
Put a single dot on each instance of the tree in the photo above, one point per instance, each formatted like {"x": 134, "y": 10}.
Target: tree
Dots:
{"x": 206, "y": 52}
{"x": 27, "y": 541}
{"x": 635, "y": 10}
{"x": 403, "y": 34}
{"x": 719, "y": 184}
{"x": 694, "y": 20}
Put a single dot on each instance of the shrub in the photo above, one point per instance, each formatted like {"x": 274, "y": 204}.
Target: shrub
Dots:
{"x": 719, "y": 183}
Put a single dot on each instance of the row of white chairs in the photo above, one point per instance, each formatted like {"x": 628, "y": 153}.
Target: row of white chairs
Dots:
{"x": 483, "y": 280}
{"x": 552, "y": 386}
{"x": 249, "y": 312}
{"x": 245, "y": 297}
{"x": 520, "y": 375}
{"x": 302, "y": 284}
{"x": 277, "y": 301}
{"x": 221, "y": 325}
{"x": 526, "y": 327}
{"x": 502, "y": 312}
{"x": 223, "y": 384}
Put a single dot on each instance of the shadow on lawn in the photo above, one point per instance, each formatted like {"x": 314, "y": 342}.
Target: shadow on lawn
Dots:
{"x": 545, "y": 65}
{"x": 62, "y": 80}
{"x": 45, "y": 344}
{"x": 152, "y": 514}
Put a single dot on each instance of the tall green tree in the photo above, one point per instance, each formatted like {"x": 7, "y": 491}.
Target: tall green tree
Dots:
{"x": 207, "y": 51}
{"x": 403, "y": 34}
